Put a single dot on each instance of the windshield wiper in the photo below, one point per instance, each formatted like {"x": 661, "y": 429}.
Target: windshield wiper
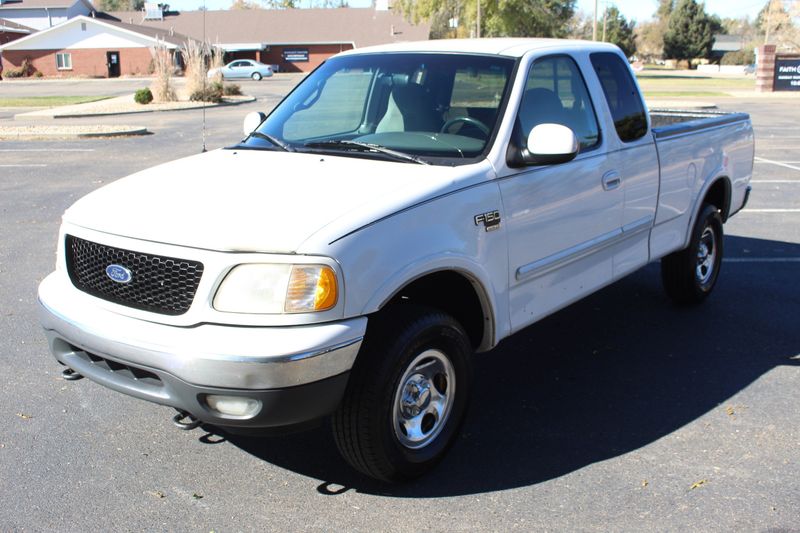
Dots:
{"x": 366, "y": 147}
{"x": 274, "y": 140}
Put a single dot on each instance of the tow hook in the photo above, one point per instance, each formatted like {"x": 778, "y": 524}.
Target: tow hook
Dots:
{"x": 185, "y": 421}
{"x": 70, "y": 375}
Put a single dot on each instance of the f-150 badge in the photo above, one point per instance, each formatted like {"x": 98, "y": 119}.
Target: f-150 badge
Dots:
{"x": 490, "y": 220}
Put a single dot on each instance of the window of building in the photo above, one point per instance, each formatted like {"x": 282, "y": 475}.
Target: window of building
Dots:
{"x": 64, "y": 61}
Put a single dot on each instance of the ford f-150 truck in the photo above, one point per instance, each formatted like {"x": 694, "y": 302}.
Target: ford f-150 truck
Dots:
{"x": 403, "y": 207}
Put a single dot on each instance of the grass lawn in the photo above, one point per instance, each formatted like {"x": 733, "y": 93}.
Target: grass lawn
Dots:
{"x": 48, "y": 101}
{"x": 665, "y": 94}
{"x": 673, "y": 84}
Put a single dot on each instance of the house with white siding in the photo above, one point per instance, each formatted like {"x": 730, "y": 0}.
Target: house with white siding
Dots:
{"x": 41, "y": 14}
{"x": 91, "y": 47}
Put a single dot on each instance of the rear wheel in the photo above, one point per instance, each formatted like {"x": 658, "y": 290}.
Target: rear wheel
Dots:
{"x": 256, "y": 76}
{"x": 689, "y": 275}
{"x": 407, "y": 394}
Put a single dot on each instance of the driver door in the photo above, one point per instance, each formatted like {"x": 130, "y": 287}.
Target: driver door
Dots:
{"x": 562, "y": 219}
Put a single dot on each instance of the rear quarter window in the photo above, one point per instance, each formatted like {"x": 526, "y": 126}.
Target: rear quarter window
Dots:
{"x": 624, "y": 100}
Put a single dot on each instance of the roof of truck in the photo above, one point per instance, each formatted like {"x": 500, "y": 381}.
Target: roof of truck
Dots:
{"x": 513, "y": 47}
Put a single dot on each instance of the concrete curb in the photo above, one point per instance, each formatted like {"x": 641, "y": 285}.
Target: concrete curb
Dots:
{"x": 48, "y": 115}
{"x": 37, "y": 132}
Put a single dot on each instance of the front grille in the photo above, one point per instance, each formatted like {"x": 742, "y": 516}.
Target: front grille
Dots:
{"x": 165, "y": 285}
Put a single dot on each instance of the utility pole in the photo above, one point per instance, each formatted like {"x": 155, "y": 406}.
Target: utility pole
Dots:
{"x": 478, "y": 28}
{"x": 769, "y": 22}
{"x": 594, "y": 24}
{"x": 605, "y": 19}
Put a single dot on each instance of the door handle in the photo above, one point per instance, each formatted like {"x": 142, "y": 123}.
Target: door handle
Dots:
{"x": 611, "y": 180}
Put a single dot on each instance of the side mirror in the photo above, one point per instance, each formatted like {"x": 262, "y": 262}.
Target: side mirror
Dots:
{"x": 252, "y": 121}
{"x": 550, "y": 144}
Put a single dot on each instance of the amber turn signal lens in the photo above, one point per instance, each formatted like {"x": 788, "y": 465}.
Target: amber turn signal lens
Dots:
{"x": 311, "y": 288}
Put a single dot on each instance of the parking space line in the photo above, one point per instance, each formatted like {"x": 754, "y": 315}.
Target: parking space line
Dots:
{"x": 778, "y": 163}
{"x": 761, "y": 260}
{"x": 46, "y": 150}
{"x": 774, "y": 181}
{"x": 39, "y": 165}
{"x": 770, "y": 211}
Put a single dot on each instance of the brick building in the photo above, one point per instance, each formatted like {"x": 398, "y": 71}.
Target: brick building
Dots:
{"x": 297, "y": 40}
{"x": 87, "y": 46}
{"x": 11, "y": 31}
{"x": 119, "y": 43}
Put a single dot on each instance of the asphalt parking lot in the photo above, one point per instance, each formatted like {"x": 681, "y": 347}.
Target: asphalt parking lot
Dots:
{"x": 619, "y": 413}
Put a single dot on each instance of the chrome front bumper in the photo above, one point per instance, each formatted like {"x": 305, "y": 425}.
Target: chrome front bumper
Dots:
{"x": 121, "y": 352}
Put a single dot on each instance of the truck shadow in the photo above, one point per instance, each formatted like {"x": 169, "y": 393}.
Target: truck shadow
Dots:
{"x": 606, "y": 376}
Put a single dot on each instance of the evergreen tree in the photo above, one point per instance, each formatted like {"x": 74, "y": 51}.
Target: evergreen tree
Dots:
{"x": 691, "y": 31}
{"x": 619, "y": 31}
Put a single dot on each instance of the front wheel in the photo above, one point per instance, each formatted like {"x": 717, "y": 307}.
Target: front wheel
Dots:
{"x": 689, "y": 275}
{"x": 256, "y": 76}
{"x": 407, "y": 394}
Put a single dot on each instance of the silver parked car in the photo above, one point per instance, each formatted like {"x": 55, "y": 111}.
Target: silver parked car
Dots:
{"x": 243, "y": 68}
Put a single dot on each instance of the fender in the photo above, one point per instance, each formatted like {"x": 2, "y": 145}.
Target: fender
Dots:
{"x": 702, "y": 195}
{"x": 492, "y": 301}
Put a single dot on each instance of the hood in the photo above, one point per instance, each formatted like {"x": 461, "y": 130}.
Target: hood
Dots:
{"x": 252, "y": 201}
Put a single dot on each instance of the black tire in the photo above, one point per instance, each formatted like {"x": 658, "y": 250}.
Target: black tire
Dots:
{"x": 370, "y": 423}
{"x": 689, "y": 275}
{"x": 256, "y": 76}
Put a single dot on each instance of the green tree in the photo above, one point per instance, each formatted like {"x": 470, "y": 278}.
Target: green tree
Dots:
{"x": 119, "y": 5}
{"x": 619, "y": 31}
{"x": 503, "y": 18}
{"x": 665, "y": 8}
{"x": 691, "y": 31}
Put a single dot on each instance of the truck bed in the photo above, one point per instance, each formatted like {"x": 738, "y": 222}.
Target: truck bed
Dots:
{"x": 670, "y": 122}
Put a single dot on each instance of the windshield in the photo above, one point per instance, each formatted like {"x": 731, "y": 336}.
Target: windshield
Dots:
{"x": 433, "y": 107}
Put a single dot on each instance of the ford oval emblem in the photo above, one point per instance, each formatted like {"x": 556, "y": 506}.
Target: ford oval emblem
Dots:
{"x": 119, "y": 273}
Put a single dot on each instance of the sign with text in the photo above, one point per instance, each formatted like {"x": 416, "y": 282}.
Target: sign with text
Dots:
{"x": 295, "y": 55}
{"x": 787, "y": 74}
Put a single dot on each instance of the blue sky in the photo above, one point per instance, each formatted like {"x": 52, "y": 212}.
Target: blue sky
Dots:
{"x": 632, "y": 9}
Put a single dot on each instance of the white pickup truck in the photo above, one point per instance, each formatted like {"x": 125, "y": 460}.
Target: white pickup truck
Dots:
{"x": 401, "y": 208}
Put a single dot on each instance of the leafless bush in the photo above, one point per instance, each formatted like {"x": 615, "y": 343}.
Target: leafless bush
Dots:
{"x": 217, "y": 62}
{"x": 163, "y": 67}
{"x": 194, "y": 59}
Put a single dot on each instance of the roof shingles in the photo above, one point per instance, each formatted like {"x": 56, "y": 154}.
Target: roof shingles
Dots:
{"x": 361, "y": 26}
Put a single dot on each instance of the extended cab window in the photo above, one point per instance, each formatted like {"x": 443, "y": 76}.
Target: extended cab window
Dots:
{"x": 622, "y": 95}
{"x": 556, "y": 93}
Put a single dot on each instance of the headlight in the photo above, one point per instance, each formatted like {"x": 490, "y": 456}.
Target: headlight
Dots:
{"x": 274, "y": 288}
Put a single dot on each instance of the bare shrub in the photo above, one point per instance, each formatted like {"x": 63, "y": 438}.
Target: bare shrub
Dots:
{"x": 217, "y": 62}
{"x": 194, "y": 59}
{"x": 163, "y": 67}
